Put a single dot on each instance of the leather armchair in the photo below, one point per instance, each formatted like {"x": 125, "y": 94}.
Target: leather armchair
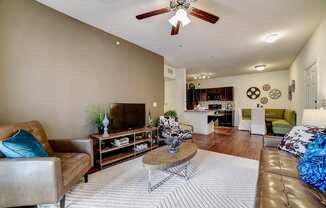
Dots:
{"x": 73, "y": 145}
{"x": 44, "y": 180}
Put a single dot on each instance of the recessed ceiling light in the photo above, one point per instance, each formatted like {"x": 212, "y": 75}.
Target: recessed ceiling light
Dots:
{"x": 117, "y": 43}
{"x": 260, "y": 67}
{"x": 271, "y": 38}
{"x": 204, "y": 77}
{"x": 208, "y": 77}
{"x": 195, "y": 78}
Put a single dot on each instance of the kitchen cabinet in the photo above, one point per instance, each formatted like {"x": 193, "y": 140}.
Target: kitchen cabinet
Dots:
{"x": 228, "y": 93}
{"x": 226, "y": 118}
{"x": 223, "y": 94}
{"x": 190, "y": 98}
{"x": 203, "y": 95}
{"x": 194, "y": 96}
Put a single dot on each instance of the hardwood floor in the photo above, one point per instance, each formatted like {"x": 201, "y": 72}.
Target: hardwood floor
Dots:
{"x": 231, "y": 141}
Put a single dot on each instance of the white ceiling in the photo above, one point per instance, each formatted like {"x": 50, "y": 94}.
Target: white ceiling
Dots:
{"x": 232, "y": 46}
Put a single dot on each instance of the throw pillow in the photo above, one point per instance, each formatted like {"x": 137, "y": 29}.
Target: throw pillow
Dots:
{"x": 22, "y": 144}
{"x": 312, "y": 166}
{"x": 296, "y": 140}
{"x": 164, "y": 121}
{"x": 173, "y": 123}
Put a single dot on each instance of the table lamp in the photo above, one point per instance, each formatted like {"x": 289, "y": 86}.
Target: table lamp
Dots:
{"x": 314, "y": 117}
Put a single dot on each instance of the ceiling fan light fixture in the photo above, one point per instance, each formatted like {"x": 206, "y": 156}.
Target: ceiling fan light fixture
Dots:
{"x": 180, "y": 15}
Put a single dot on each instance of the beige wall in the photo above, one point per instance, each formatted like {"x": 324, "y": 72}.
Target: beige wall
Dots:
{"x": 54, "y": 68}
{"x": 313, "y": 52}
{"x": 175, "y": 93}
{"x": 278, "y": 80}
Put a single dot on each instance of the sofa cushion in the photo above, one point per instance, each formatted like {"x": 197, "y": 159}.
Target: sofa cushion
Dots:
{"x": 73, "y": 165}
{"x": 296, "y": 140}
{"x": 290, "y": 117}
{"x": 34, "y": 127}
{"x": 246, "y": 114}
{"x": 274, "y": 113}
{"x": 271, "y": 119}
{"x": 278, "y": 162}
{"x": 281, "y": 126}
{"x": 281, "y": 191}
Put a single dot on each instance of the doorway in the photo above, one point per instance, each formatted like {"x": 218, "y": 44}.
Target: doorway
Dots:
{"x": 311, "y": 86}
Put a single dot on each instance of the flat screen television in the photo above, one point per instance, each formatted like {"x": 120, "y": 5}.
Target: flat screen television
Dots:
{"x": 126, "y": 116}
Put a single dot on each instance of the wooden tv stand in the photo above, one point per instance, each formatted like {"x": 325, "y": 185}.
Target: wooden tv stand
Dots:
{"x": 107, "y": 154}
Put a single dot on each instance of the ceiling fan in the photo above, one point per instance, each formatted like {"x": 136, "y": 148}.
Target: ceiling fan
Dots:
{"x": 181, "y": 8}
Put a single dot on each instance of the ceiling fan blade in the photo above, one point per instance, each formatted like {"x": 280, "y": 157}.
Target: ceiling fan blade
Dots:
{"x": 204, "y": 15}
{"x": 152, "y": 13}
{"x": 175, "y": 30}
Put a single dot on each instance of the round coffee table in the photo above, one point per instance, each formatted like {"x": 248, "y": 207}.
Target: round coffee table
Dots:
{"x": 162, "y": 159}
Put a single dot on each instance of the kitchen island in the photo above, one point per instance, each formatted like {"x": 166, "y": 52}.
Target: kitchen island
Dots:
{"x": 199, "y": 120}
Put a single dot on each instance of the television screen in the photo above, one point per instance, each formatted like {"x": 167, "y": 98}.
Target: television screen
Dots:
{"x": 124, "y": 116}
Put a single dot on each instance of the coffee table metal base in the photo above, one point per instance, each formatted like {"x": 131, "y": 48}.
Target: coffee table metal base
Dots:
{"x": 186, "y": 175}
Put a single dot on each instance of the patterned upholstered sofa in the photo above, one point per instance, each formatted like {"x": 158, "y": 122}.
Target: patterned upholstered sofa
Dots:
{"x": 43, "y": 180}
{"x": 282, "y": 120}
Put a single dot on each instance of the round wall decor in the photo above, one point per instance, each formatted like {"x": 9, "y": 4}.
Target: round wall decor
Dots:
{"x": 192, "y": 86}
{"x": 264, "y": 100}
{"x": 266, "y": 87}
{"x": 253, "y": 93}
{"x": 275, "y": 94}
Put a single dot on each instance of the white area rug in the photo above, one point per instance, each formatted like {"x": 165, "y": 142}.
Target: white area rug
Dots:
{"x": 219, "y": 181}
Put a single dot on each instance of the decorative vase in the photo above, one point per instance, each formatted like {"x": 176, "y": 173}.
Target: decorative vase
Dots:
{"x": 105, "y": 123}
{"x": 149, "y": 120}
{"x": 174, "y": 141}
{"x": 100, "y": 130}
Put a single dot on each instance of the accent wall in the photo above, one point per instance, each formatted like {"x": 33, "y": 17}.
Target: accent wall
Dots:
{"x": 55, "y": 69}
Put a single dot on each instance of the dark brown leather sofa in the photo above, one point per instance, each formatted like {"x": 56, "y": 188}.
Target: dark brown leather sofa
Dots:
{"x": 278, "y": 184}
{"x": 43, "y": 180}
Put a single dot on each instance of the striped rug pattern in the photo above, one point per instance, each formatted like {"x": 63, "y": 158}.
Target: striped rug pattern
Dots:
{"x": 218, "y": 181}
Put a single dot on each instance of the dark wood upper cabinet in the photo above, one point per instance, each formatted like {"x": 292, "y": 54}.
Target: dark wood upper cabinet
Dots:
{"x": 194, "y": 96}
{"x": 203, "y": 95}
{"x": 229, "y": 93}
{"x": 222, "y": 93}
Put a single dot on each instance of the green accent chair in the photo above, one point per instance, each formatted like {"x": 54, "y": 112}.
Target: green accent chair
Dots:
{"x": 282, "y": 120}
{"x": 283, "y": 125}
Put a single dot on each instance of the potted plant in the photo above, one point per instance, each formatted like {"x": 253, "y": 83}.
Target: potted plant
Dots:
{"x": 99, "y": 116}
{"x": 171, "y": 114}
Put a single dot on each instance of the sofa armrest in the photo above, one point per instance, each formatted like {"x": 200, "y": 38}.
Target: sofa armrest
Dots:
{"x": 29, "y": 181}
{"x": 188, "y": 126}
{"x": 84, "y": 145}
{"x": 272, "y": 141}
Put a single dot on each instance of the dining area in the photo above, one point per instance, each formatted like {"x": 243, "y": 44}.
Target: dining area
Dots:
{"x": 263, "y": 121}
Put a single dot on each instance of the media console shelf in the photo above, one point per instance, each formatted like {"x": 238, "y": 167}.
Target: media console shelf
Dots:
{"x": 107, "y": 154}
